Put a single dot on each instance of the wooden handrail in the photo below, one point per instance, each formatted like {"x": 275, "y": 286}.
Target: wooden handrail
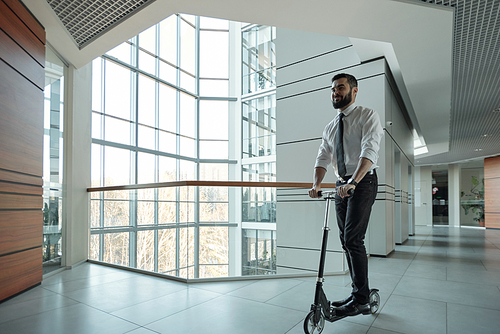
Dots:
{"x": 303, "y": 185}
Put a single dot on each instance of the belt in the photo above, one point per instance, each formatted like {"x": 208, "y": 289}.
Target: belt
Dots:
{"x": 347, "y": 177}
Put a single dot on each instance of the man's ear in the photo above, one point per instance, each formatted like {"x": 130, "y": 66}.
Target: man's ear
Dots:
{"x": 355, "y": 91}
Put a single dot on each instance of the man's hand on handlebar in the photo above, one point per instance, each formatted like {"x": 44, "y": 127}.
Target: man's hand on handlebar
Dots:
{"x": 345, "y": 190}
{"x": 313, "y": 193}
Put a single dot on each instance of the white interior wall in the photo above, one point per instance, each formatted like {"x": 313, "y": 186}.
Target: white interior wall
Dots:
{"x": 303, "y": 110}
{"x": 423, "y": 195}
{"x": 77, "y": 144}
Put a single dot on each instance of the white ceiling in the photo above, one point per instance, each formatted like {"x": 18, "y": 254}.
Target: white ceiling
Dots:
{"x": 416, "y": 39}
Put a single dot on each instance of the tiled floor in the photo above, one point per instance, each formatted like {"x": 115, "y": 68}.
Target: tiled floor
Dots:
{"x": 443, "y": 280}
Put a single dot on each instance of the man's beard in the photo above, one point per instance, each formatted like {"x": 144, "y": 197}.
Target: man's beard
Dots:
{"x": 344, "y": 101}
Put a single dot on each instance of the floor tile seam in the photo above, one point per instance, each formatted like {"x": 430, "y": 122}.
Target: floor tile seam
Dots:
{"x": 466, "y": 284}
{"x": 288, "y": 331}
{"x": 475, "y": 283}
{"x": 475, "y": 306}
{"x": 148, "y": 329}
{"x": 69, "y": 280}
{"x": 419, "y": 298}
{"x": 42, "y": 312}
{"x": 87, "y": 287}
{"x": 145, "y": 301}
{"x": 114, "y": 316}
{"x": 183, "y": 310}
{"x": 446, "y": 317}
{"x": 385, "y": 330}
{"x": 227, "y": 293}
{"x": 447, "y": 302}
{"x": 279, "y": 294}
{"x": 221, "y": 293}
{"x": 12, "y": 302}
{"x": 249, "y": 299}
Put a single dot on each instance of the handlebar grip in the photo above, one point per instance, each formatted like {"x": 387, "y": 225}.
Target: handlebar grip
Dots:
{"x": 350, "y": 193}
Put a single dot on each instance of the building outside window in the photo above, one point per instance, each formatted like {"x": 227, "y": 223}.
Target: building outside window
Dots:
{"x": 259, "y": 149}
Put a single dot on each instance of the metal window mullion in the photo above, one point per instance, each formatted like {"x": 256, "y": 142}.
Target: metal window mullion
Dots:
{"x": 197, "y": 153}
{"x": 134, "y": 116}
{"x": 101, "y": 224}
{"x": 177, "y": 149}
{"x": 271, "y": 260}
{"x": 102, "y": 161}
{"x": 157, "y": 146}
{"x": 133, "y": 229}
{"x": 256, "y": 251}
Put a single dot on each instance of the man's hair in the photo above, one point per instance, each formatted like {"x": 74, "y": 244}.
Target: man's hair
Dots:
{"x": 351, "y": 80}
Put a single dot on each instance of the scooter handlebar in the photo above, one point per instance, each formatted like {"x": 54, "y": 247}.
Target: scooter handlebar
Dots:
{"x": 350, "y": 192}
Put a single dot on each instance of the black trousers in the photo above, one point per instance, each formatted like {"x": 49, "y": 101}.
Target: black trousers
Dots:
{"x": 353, "y": 214}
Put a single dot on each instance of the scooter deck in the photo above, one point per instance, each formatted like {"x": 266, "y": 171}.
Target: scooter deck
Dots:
{"x": 334, "y": 318}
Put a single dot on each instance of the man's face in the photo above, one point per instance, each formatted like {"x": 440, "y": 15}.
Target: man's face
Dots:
{"x": 342, "y": 94}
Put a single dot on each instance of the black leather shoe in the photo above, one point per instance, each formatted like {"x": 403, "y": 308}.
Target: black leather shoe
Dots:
{"x": 353, "y": 308}
{"x": 342, "y": 302}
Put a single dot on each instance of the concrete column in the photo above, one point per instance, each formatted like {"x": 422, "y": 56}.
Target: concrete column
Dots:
{"x": 77, "y": 145}
{"x": 454, "y": 194}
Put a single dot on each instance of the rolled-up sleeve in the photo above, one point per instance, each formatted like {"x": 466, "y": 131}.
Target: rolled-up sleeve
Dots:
{"x": 324, "y": 157}
{"x": 371, "y": 137}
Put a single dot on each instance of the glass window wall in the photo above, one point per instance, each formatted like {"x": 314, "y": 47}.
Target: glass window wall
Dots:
{"x": 53, "y": 161}
{"x": 259, "y": 252}
{"x": 259, "y": 58}
{"x": 149, "y": 124}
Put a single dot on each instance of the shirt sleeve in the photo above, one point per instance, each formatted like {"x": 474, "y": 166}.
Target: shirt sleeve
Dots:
{"x": 371, "y": 137}
{"x": 324, "y": 157}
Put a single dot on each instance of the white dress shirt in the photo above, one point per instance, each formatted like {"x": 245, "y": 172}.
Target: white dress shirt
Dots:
{"x": 362, "y": 136}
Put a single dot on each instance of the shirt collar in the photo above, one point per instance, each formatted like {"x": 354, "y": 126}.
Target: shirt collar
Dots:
{"x": 348, "y": 110}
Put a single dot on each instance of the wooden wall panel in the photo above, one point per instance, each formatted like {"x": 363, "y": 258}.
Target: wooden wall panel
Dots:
{"x": 492, "y": 192}
{"x": 28, "y": 19}
{"x": 21, "y": 123}
{"x": 18, "y": 31}
{"x": 9, "y": 176}
{"x": 20, "y": 230}
{"x": 491, "y": 167}
{"x": 17, "y": 188}
{"x": 492, "y": 195}
{"x": 20, "y": 202}
{"x": 22, "y": 60}
{"x": 16, "y": 57}
{"x": 20, "y": 271}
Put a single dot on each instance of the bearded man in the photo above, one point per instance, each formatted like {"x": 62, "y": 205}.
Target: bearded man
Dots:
{"x": 350, "y": 143}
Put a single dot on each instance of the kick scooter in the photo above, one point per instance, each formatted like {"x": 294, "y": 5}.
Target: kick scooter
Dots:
{"x": 314, "y": 322}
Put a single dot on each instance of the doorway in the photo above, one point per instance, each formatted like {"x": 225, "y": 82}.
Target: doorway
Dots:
{"x": 440, "y": 196}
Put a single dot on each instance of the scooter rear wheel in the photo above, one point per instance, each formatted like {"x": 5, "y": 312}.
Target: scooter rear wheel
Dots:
{"x": 310, "y": 327}
{"x": 374, "y": 301}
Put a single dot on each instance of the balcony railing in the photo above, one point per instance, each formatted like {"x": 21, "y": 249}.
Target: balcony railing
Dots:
{"x": 189, "y": 230}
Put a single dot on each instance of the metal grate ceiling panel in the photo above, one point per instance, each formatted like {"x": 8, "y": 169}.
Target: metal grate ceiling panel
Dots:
{"x": 86, "y": 20}
{"x": 474, "y": 126}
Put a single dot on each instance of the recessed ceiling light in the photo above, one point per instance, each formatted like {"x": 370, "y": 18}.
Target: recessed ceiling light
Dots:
{"x": 486, "y": 135}
{"x": 478, "y": 149}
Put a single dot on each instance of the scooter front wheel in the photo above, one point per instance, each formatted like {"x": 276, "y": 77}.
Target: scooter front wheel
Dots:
{"x": 313, "y": 328}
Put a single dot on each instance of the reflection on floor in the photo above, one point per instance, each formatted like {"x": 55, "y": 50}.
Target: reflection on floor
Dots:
{"x": 443, "y": 280}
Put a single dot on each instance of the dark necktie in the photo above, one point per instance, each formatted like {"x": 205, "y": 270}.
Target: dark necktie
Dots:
{"x": 339, "y": 148}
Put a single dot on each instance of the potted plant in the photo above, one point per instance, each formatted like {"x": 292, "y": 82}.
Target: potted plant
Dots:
{"x": 476, "y": 208}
